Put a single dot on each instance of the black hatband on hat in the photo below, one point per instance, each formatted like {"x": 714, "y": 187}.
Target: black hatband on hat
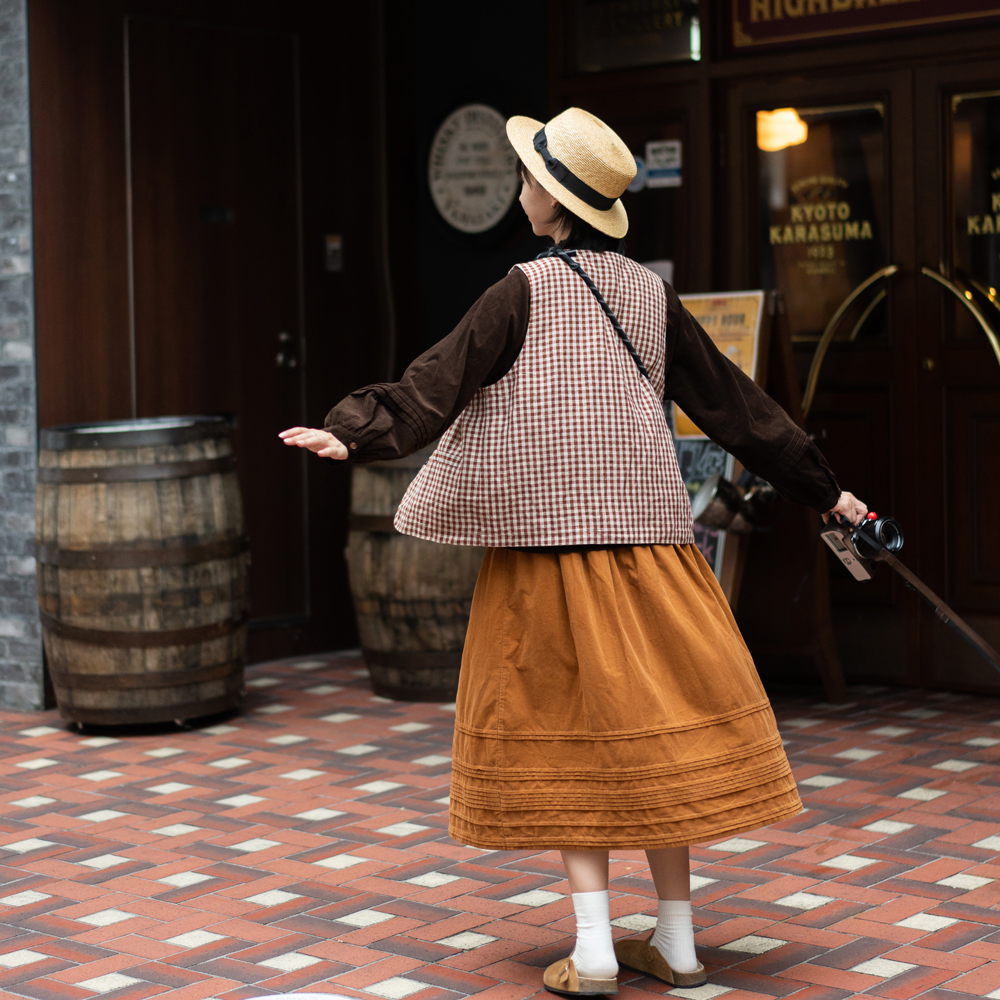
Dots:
{"x": 568, "y": 179}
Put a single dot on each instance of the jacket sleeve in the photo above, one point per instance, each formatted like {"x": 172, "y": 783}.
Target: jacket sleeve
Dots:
{"x": 392, "y": 420}
{"x": 740, "y": 417}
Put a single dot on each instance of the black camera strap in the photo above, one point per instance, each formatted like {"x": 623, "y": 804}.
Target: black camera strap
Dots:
{"x": 567, "y": 257}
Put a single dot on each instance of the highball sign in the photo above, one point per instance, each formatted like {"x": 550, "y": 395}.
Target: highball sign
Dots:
{"x": 777, "y": 22}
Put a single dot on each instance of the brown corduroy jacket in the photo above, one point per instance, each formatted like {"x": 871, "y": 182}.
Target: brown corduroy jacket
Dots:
{"x": 390, "y": 420}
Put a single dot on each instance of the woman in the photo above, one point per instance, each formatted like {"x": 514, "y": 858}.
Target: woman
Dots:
{"x": 607, "y": 699}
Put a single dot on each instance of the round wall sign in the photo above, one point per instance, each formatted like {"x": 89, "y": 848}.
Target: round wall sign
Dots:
{"x": 472, "y": 169}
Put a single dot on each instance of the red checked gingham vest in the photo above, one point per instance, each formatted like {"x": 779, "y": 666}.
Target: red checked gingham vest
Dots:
{"x": 571, "y": 446}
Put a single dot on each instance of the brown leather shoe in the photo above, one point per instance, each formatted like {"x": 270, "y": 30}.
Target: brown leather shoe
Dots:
{"x": 644, "y": 957}
{"x": 560, "y": 977}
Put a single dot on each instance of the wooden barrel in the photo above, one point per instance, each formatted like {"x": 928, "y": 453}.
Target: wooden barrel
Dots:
{"x": 142, "y": 569}
{"x": 412, "y": 597}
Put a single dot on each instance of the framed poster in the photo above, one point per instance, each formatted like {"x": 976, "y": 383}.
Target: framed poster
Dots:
{"x": 733, "y": 321}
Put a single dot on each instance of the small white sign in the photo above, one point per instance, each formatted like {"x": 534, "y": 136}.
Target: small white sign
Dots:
{"x": 663, "y": 163}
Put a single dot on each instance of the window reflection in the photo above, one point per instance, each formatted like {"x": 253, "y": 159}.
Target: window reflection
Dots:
{"x": 823, "y": 223}
{"x": 975, "y": 205}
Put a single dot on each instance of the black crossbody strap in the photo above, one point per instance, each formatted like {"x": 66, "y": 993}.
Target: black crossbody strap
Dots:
{"x": 567, "y": 258}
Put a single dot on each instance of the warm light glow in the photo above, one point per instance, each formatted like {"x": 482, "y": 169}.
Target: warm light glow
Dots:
{"x": 780, "y": 129}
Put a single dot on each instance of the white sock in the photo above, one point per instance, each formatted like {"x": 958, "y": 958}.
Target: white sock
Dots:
{"x": 594, "y": 954}
{"x": 674, "y": 934}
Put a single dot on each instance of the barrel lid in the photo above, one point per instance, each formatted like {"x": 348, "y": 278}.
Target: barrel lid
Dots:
{"x": 134, "y": 433}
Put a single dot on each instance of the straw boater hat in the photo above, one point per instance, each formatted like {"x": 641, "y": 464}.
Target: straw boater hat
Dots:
{"x": 580, "y": 162}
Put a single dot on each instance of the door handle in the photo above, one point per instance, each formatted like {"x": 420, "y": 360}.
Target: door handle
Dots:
{"x": 831, "y": 329}
{"x": 965, "y": 297}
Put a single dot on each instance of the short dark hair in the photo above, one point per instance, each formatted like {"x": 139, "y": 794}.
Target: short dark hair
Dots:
{"x": 582, "y": 235}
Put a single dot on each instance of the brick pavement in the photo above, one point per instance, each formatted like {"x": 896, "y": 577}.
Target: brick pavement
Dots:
{"x": 302, "y": 847}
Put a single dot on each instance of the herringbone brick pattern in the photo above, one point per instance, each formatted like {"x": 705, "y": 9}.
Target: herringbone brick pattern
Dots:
{"x": 302, "y": 847}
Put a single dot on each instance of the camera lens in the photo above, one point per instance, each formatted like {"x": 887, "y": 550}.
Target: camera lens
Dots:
{"x": 890, "y": 533}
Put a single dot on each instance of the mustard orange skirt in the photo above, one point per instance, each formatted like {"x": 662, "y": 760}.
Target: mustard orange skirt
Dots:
{"x": 607, "y": 700}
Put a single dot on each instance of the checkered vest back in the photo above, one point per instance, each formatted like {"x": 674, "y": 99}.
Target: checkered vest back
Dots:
{"x": 571, "y": 446}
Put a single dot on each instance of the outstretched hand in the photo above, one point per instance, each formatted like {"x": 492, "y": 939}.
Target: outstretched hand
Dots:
{"x": 323, "y": 443}
{"x": 850, "y": 508}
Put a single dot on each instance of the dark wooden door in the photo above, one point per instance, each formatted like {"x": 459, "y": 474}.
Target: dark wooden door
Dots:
{"x": 214, "y": 225}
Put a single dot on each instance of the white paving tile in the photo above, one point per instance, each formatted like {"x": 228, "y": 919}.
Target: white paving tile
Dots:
{"x": 857, "y": 753}
{"x": 410, "y": 727}
{"x": 449, "y": 707}
{"x": 322, "y": 689}
{"x": 35, "y": 731}
{"x": 955, "y": 766}
{"x": 182, "y": 880}
{"x": 804, "y": 900}
{"x": 891, "y": 731}
{"x": 262, "y": 682}
{"x": 108, "y": 983}
{"x": 229, "y": 763}
{"x": 926, "y": 922}
{"x": 36, "y": 763}
{"x": 32, "y": 802}
{"x": 402, "y": 829}
{"x": 169, "y": 788}
{"x": 163, "y": 751}
{"x": 467, "y": 940}
{"x": 301, "y": 774}
{"x": 26, "y": 898}
{"x": 310, "y": 664}
{"x": 534, "y": 897}
{"x": 444, "y": 801}
{"x": 375, "y": 787}
{"x": 800, "y": 723}
{"x": 15, "y": 959}
{"x": 429, "y": 880}
{"x": 889, "y": 826}
{"x": 219, "y": 730}
{"x": 358, "y": 749}
{"x": 700, "y": 881}
{"x": 315, "y": 815}
{"x": 395, "y": 988}
{"x": 101, "y": 775}
{"x": 981, "y": 741}
{"x": 432, "y": 760}
{"x": 822, "y": 781}
{"x": 884, "y": 968}
{"x": 754, "y": 944}
{"x": 255, "y": 844}
{"x": 105, "y": 918}
{"x": 99, "y": 741}
{"x": 287, "y": 739}
{"x": 275, "y": 710}
{"x": 707, "y": 992}
{"x": 921, "y": 713}
{"x": 103, "y": 861}
{"x": 195, "y": 939}
{"x": 273, "y": 897}
{"x": 848, "y": 862}
{"x": 988, "y": 843}
{"x": 738, "y": 845}
{"x": 238, "y": 801}
{"x": 338, "y": 861}
{"x": 966, "y": 882}
{"x": 364, "y": 918}
{"x": 922, "y": 794}
{"x": 176, "y": 830}
{"x": 291, "y": 961}
{"x": 102, "y": 815}
{"x": 24, "y": 846}
{"x": 635, "y": 922}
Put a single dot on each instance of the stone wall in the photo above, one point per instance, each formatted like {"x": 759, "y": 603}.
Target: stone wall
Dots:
{"x": 20, "y": 642}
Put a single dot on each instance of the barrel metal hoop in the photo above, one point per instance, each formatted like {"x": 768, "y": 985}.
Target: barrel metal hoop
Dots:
{"x": 140, "y": 639}
{"x": 107, "y": 558}
{"x": 379, "y": 523}
{"x": 136, "y": 473}
{"x": 420, "y": 659}
{"x": 134, "y": 682}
